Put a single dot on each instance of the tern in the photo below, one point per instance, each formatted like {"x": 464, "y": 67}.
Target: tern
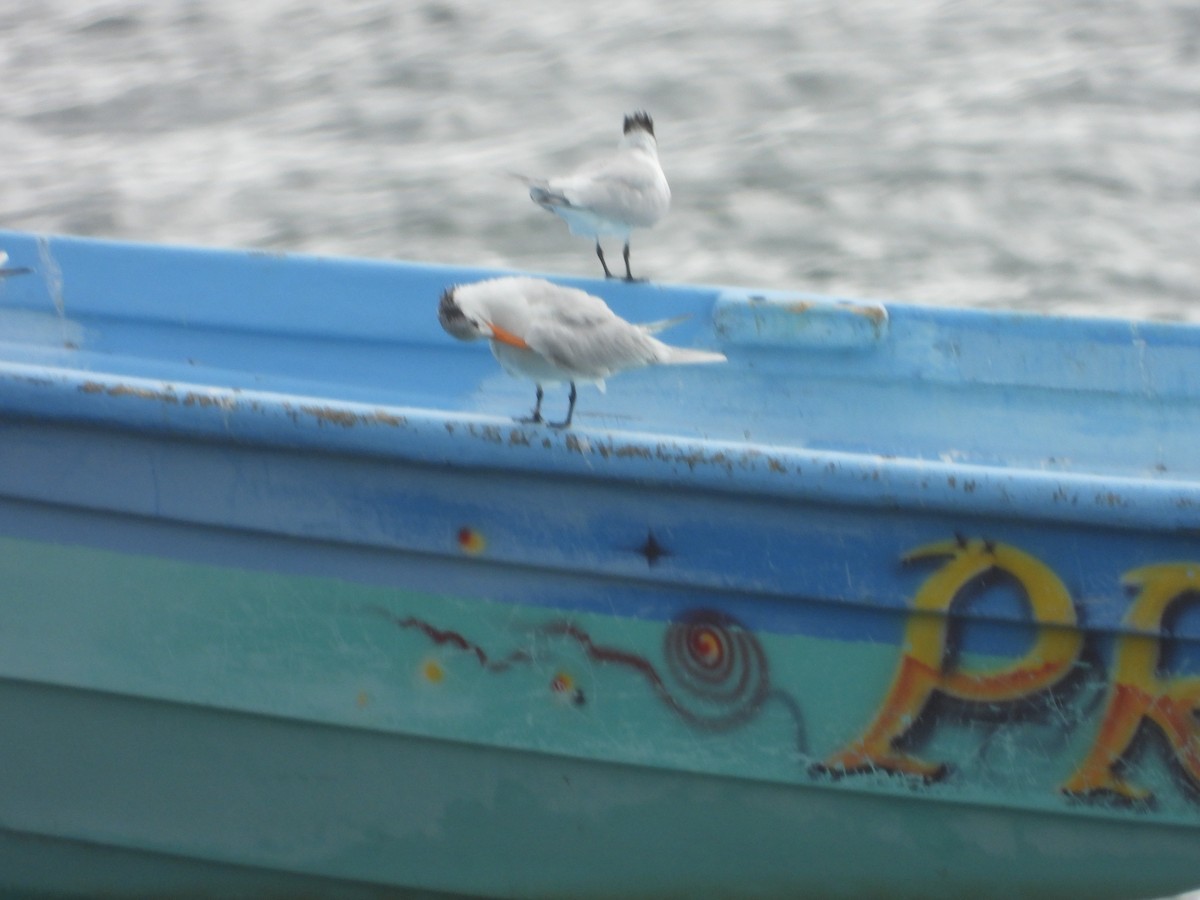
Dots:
{"x": 552, "y": 334}
{"x": 612, "y": 197}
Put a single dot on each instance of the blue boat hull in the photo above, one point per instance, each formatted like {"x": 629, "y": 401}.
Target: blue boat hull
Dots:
{"x": 292, "y": 604}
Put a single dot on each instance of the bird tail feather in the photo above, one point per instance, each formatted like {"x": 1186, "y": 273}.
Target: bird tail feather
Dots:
{"x": 663, "y": 324}
{"x": 540, "y": 191}
{"x": 525, "y": 179}
{"x": 681, "y": 356}
{"x": 545, "y": 197}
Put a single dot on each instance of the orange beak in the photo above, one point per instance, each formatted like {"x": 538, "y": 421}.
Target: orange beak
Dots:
{"x": 507, "y": 337}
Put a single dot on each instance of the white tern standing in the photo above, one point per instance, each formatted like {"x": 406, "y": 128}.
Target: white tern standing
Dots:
{"x": 552, "y": 334}
{"x": 612, "y": 197}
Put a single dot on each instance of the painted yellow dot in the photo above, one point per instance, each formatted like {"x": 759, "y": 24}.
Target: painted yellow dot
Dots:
{"x": 562, "y": 683}
{"x": 362, "y": 699}
{"x": 433, "y": 671}
{"x": 471, "y": 541}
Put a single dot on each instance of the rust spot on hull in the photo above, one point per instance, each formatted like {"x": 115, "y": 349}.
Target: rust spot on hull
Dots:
{"x": 165, "y": 395}
{"x": 332, "y": 415}
{"x": 877, "y": 314}
{"x": 348, "y": 418}
{"x": 191, "y": 398}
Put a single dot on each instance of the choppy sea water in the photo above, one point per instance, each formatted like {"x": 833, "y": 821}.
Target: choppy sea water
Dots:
{"x": 1028, "y": 155}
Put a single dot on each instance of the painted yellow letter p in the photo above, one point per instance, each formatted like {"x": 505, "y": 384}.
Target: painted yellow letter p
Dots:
{"x": 923, "y": 668}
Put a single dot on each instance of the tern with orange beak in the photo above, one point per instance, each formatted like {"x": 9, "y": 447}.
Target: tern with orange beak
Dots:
{"x": 552, "y": 334}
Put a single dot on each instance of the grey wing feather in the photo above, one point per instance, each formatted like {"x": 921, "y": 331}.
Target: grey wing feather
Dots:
{"x": 595, "y": 350}
{"x": 556, "y": 305}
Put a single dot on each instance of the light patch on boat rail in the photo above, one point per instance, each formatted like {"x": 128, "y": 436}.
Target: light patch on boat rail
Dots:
{"x": 52, "y": 275}
{"x": 724, "y": 458}
{"x": 799, "y": 321}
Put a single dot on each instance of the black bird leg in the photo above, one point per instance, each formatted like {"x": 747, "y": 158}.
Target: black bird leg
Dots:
{"x": 566, "y": 423}
{"x": 600, "y": 253}
{"x": 628, "y": 273}
{"x": 537, "y": 410}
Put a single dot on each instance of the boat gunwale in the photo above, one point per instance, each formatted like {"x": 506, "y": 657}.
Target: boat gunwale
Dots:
{"x": 464, "y": 440}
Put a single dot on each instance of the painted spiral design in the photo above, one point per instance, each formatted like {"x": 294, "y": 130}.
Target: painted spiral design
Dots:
{"x": 717, "y": 669}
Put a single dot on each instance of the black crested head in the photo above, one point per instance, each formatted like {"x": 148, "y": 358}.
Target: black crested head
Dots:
{"x": 453, "y": 319}
{"x": 449, "y": 312}
{"x": 447, "y": 308}
{"x": 639, "y": 120}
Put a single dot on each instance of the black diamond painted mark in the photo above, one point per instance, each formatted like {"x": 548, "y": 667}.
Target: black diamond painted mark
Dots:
{"x": 652, "y": 549}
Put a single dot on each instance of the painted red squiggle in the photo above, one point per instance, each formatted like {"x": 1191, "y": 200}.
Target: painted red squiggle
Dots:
{"x": 599, "y": 653}
{"x": 445, "y": 636}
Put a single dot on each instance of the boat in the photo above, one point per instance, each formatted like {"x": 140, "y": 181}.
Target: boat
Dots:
{"x": 898, "y": 601}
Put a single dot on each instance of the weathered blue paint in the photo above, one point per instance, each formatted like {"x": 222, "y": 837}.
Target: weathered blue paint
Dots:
{"x": 266, "y": 500}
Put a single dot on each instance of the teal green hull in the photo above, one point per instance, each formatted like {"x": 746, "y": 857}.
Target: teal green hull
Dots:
{"x": 309, "y": 736}
{"x": 40, "y": 867}
{"x": 328, "y": 806}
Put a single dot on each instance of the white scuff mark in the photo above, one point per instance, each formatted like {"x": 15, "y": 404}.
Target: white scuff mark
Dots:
{"x": 52, "y": 275}
{"x": 1139, "y": 344}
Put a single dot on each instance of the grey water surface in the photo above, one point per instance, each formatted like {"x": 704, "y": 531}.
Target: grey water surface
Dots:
{"x": 1030, "y": 155}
